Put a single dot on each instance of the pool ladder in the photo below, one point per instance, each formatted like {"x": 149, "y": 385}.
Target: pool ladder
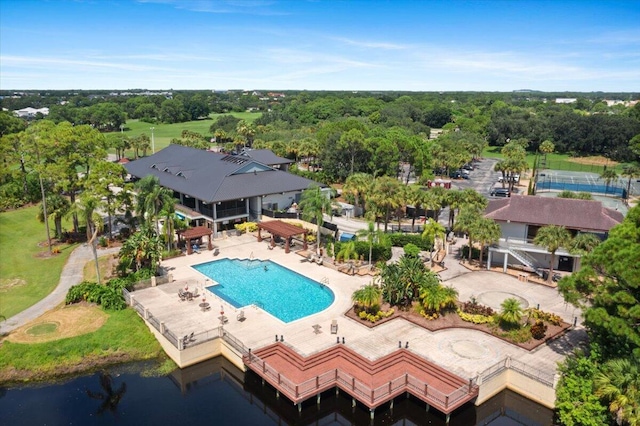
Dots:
{"x": 324, "y": 281}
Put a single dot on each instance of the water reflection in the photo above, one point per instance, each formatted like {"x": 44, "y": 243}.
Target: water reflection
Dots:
{"x": 216, "y": 392}
{"x": 110, "y": 398}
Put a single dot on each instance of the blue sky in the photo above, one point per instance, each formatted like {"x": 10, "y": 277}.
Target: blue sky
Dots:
{"x": 550, "y": 45}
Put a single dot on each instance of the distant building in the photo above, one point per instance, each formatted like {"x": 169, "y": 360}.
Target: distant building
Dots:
{"x": 30, "y": 112}
{"x": 566, "y": 100}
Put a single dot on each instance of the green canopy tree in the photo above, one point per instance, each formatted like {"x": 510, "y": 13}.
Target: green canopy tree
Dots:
{"x": 358, "y": 185}
{"x": 371, "y": 234}
{"x": 57, "y": 207}
{"x": 608, "y": 289}
{"x": 608, "y": 176}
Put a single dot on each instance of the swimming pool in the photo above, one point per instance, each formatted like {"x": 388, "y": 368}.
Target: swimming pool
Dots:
{"x": 282, "y": 292}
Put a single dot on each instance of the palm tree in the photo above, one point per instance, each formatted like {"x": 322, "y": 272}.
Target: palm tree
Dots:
{"x": 347, "y": 252}
{"x": 552, "y": 237}
{"x": 141, "y": 249}
{"x": 151, "y": 200}
{"x": 630, "y": 171}
{"x": 314, "y": 203}
{"x": 511, "y": 311}
{"x": 371, "y": 234}
{"x": 358, "y": 184}
{"x": 431, "y": 231}
{"x": 469, "y": 222}
{"x": 488, "y": 232}
{"x": 86, "y": 207}
{"x": 384, "y": 197}
{"x": 618, "y": 383}
{"x": 608, "y": 176}
{"x": 583, "y": 243}
{"x": 546, "y": 147}
{"x": 436, "y": 297}
{"x": 57, "y": 207}
{"x": 367, "y": 296}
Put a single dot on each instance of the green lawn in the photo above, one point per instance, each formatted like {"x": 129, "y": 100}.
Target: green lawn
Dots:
{"x": 26, "y": 278}
{"x": 554, "y": 161}
{"x": 163, "y": 133}
{"x": 124, "y": 334}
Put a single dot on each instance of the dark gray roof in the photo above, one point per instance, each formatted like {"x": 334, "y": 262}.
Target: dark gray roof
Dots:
{"x": 266, "y": 156}
{"x": 571, "y": 213}
{"x": 213, "y": 177}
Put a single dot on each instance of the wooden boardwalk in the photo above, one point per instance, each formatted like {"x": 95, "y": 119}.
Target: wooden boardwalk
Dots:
{"x": 373, "y": 383}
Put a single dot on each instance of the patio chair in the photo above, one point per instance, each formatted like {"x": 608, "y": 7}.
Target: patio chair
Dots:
{"x": 241, "y": 316}
{"x": 182, "y": 295}
{"x": 334, "y": 327}
{"x": 195, "y": 293}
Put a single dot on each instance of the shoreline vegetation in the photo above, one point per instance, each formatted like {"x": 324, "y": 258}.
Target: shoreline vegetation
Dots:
{"x": 123, "y": 338}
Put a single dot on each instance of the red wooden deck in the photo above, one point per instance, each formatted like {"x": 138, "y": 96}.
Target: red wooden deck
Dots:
{"x": 371, "y": 382}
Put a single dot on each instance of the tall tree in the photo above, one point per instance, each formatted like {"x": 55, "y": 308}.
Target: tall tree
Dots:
{"x": 385, "y": 197}
{"x": 86, "y": 207}
{"x": 488, "y": 232}
{"x": 431, "y": 232}
{"x": 358, "y": 185}
{"x": 552, "y": 238}
{"x": 314, "y": 204}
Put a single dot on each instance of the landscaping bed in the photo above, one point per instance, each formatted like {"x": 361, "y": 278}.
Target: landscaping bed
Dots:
{"x": 453, "y": 320}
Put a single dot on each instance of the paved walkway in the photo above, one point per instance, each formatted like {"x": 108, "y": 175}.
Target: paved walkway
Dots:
{"x": 72, "y": 274}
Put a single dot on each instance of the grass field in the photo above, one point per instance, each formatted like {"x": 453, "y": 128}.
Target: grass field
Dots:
{"x": 25, "y": 277}
{"x": 124, "y": 337}
{"x": 163, "y": 133}
{"x": 554, "y": 161}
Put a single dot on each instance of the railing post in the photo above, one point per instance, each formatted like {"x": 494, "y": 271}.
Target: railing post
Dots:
{"x": 389, "y": 386}
{"x": 426, "y": 389}
{"x": 317, "y": 382}
{"x": 446, "y": 401}
{"x": 470, "y": 385}
{"x": 353, "y": 383}
{"x": 278, "y": 378}
{"x": 296, "y": 391}
{"x": 406, "y": 379}
{"x": 372, "y": 395}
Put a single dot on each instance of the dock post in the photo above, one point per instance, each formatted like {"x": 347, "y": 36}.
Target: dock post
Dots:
{"x": 318, "y": 400}
{"x": 337, "y": 390}
{"x": 277, "y": 394}
{"x": 353, "y": 402}
{"x": 299, "y": 407}
{"x": 447, "y": 418}
{"x": 427, "y": 408}
{"x": 372, "y": 412}
{"x": 391, "y": 404}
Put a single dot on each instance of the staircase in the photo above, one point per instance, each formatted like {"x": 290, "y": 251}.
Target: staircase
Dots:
{"x": 527, "y": 260}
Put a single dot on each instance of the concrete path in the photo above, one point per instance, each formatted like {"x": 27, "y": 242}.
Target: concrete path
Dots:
{"x": 72, "y": 274}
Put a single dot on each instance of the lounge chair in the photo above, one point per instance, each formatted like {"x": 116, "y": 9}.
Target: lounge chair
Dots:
{"x": 182, "y": 295}
{"x": 195, "y": 293}
{"x": 334, "y": 327}
{"x": 241, "y": 316}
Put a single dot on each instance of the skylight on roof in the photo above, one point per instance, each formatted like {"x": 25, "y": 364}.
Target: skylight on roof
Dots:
{"x": 234, "y": 159}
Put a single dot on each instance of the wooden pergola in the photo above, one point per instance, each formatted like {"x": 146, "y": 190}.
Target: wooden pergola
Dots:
{"x": 195, "y": 233}
{"x": 278, "y": 228}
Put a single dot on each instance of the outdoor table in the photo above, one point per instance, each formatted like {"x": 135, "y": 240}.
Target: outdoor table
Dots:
{"x": 204, "y": 306}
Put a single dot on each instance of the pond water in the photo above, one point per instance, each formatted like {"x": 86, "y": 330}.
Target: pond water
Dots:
{"x": 216, "y": 393}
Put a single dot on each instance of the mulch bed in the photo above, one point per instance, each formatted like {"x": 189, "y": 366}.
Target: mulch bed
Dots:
{"x": 452, "y": 320}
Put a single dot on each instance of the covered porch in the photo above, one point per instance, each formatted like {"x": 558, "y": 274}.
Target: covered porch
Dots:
{"x": 278, "y": 228}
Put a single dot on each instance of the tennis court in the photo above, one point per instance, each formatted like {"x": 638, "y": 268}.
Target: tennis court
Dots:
{"x": 561, "y": 180}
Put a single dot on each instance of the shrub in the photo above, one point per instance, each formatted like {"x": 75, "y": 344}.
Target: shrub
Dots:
{"x": 411, "y": 250}
{"x": 538, "y": 330}
{"x": 473, "y": 307}
{"x": 431, "y": 316}
{"x": 103, "y": 242}
{"x": 246, "y": 227}
{"x": 402, "y": 239}
{"x": 475, "y": 254}
{"x": 538, "y": 314}
{"x": 475, "y": 318}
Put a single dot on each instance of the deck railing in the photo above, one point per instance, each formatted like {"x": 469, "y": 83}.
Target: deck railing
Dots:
{"x": 520, "y": 367}
{"x": 360, "y": 390}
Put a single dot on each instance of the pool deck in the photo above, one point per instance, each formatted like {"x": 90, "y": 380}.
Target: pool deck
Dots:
{"x": 464, "y": 352}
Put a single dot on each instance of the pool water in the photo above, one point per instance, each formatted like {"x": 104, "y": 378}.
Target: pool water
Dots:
{"x": 282, "y": 292}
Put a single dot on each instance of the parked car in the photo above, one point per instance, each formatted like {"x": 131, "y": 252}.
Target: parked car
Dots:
{"x": 467, "y": 166}
{"x": 500, "y": 192}
{"x": 515, "y": 178}
{"x": 455, "y": 174}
